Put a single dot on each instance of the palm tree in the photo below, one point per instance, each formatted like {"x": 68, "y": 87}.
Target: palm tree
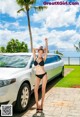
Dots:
{"x": 26, "y": 5}
{"x": 57, "y": 52}
{"x": 77, "y": 47}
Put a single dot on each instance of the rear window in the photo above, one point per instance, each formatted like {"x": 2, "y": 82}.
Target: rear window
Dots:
{"x": 52, "y": 58}
{"x": 58, "y": 58}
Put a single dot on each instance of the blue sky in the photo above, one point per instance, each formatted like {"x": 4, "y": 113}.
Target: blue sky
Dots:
{"x": 60, "y": 24}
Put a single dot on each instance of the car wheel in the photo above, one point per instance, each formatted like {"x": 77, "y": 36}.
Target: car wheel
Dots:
{"x": 62, "y": 73}
{"x": 23, "y": 98}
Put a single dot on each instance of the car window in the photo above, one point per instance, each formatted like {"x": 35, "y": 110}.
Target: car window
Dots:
{"x": 14, "y": 61}
{"x": 32, "y": 62}
{"x": 51, "y": 59}
{"x": 58, "y": 58}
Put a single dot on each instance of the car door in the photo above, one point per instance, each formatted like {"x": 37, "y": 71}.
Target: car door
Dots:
{"x": 49, "y": 66}
{"x": 60, "y": 64}
{"x": 32, "y": 72}
{"x": 53, "y": 66}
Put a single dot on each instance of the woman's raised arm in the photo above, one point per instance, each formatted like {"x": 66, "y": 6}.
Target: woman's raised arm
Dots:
{"x": 46, "y": 49}
{"x": 34, "y": 53}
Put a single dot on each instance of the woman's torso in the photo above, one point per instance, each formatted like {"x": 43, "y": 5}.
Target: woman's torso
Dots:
{"x": 39, "y": 66}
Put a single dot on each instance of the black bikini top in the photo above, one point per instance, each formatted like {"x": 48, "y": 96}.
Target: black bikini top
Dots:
{"x": 40, "y": 63}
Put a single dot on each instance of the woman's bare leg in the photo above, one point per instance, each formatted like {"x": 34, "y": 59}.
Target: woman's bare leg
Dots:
{"x": 44, "y": 82}
{"x": 37, "y": 82}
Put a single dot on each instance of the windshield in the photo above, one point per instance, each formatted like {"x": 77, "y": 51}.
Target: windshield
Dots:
{"x": 14, "y": 61}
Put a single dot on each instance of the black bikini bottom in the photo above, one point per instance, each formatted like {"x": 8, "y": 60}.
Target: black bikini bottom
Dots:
{"x": 41, "y": 75}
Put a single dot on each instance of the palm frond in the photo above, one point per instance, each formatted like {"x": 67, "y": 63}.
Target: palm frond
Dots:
{"x": 79, "y": 44}
{"x": 25, "y": 2}
{"x": 76, "y": 47}
{"x": 57, "y": 52}
{"x": 60, "y": 53}
{"x": 32, "y": 1}
{"x": 40, "y": 8}
{"x": 22, "y": 9}
{"x": 20, "y": 2}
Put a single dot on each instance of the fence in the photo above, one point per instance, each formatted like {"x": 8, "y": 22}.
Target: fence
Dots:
{"x": 71, "y": 60}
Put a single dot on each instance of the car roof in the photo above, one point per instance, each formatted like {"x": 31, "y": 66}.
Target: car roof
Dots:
{"x": 23, "y": 53}
{"x": 16, "y": 53}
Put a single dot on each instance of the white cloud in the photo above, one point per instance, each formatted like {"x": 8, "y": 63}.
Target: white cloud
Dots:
{"x": 56, "y": 16}
{"x": 55, "y": 38}
{"x": 63, "y": 39}
{"x": 6, "y": 35}
{"x": 1, "y": 26}
{"x": 12, "y": 25}
{"x": 10, "y": 7}
{"x": 78, "y": 22}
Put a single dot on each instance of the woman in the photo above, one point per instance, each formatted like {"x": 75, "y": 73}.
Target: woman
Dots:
{"x": 40, "y": 74}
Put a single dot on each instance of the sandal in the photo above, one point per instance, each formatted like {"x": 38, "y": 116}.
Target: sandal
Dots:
{"x": 40, "y": 110}
{"x": 37, "y": 110}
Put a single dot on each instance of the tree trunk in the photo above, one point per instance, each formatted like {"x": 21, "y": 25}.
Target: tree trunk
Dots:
{"x": 29, "y": 30}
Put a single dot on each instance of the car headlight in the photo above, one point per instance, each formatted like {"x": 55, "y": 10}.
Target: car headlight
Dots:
{"x": 7, "y": 82}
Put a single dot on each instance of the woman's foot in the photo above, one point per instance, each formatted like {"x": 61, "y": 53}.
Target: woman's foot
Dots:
{"x": 40, "y": 108}
{"x": 37, "y": 110}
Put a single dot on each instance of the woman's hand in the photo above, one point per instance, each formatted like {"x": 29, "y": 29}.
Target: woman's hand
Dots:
{"x": 46, "y": 39}
{"x": 36, "y": 49}
{"x": 34, "y": 52}
{"x": 46, "y": 48}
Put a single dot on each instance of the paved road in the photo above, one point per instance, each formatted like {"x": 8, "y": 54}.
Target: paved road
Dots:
{"x": 32, "y": 100}
{"x": 59, "y": 102}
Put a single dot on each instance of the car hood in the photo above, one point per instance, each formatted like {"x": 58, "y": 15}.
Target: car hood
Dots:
{"x": 7, "y": 73}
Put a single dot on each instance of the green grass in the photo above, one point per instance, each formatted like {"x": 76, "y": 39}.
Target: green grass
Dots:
{"x": 71, "y": 79}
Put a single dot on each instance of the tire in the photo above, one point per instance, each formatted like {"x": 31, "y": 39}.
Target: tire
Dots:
{"x": 62, "y": 73}
{"x": 22, "y": 98}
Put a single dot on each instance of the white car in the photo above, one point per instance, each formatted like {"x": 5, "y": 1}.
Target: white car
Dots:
{"x": 17, "y": 76}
